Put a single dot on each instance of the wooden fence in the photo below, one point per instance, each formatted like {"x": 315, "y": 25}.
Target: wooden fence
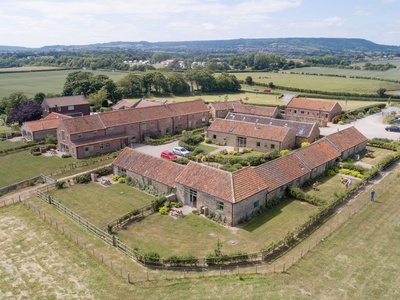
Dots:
{"x": 130, "y": 217}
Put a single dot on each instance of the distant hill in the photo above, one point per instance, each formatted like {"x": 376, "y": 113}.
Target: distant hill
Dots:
{"x": 273, "y": 45}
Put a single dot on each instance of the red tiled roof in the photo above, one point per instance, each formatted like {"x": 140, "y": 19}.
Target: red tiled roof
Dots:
{"x": 346, "y": 138}
{"x": 49, "y": 122}
{"x": 317, "y": 153}
{"x": 65, "y": 101}
{"x": 100, "y": 138}
{"x": 281, "y": 171}
{"x": 311, "y": 104}
{"x": 255, "y": 110}
{"x": 231, "y": 187}
{"x": 123, "y": 104}
{"x": 247, "y": 182}
{"x": 134, "y": 115}
{"x": 255, "y": 130}
{"x": 84, "y": 124}
{"x": 207, "y": 179}
{"x": 157, "y": 169}
{"x": 224, "y": 105}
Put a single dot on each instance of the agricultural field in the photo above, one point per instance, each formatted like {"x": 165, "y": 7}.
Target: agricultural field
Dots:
{"x": 99, "y": 204}
{"x": 31, "y": 83}
{"x": 321, "y": 83}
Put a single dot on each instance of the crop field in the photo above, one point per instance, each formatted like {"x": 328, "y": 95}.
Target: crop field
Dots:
{"x": 320, "y": 83}
{"x": 31, "y": 83}
{"x": 101, "y": 204}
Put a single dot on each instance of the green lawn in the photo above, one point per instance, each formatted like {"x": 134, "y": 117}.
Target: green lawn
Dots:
{"x": 99, "y": 204}
{"x": 378, "y": 153}
{"x": 8, "y": 145}
{"x": 206, "y": 148}
{"x": 22, "y": 165}
{"x": 197, "y": 235}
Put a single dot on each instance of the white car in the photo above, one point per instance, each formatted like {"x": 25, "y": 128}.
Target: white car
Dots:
{"x": 180, "y": 151}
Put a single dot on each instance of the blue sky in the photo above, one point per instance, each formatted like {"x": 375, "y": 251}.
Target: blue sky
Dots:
{"x": 36, "y": 23}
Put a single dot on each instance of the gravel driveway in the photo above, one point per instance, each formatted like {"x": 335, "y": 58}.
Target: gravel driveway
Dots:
{"x": 371, "y": 126}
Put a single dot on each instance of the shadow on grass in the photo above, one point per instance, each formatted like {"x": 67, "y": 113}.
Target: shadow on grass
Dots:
{"x": 267, "y": 216}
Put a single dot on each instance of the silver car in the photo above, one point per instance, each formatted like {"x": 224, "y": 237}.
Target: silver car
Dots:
{"x": 180, "y": 151}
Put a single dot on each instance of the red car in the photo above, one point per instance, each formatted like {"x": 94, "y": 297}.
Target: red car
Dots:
{"x": 168, "y": 154}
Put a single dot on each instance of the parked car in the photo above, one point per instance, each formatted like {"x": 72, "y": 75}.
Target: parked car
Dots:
{"x": 256, "y": 90}
{"x": 168, "y": 154}
{"x": 180, "y": 151}
{"x": 397, "y": 120}
{"x": 267, "y": 90}
{"x": 393, "y": 128}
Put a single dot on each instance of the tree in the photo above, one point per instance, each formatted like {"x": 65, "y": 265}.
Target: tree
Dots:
{"x": 7, "y": 104}
{"x": 39, "y": 97}
{"x": 177, "y": 84}
{"x": 249, "y": 80}
{"x": 96, "y": 99}
{"x": 130, "y": 85}
{"x": 381, "y": 92}
{"x": 25, "y": 111}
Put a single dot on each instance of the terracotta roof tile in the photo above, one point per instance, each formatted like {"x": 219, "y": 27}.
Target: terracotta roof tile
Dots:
{"x": 134, "y": 115}
{"x": 207, "y": 179}
{"x": 224, "y": 105}
{"x": 49, "y": 122}
{"x": 255, "y": 110}
{"x": 317, "y": 153}
{"x": 255, "y": 130}
{"x": 311, "y": 104}
{"x": 346, "y": 139}
{"x": 157, "y": 169}
{"x": 281, "y": 171}
{"x": 100, "y": 138}
{"x": 302, "y": 129}
{"x": 247, "y": 182}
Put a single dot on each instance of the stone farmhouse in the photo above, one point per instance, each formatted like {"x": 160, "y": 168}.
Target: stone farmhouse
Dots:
{"x": 68, "y": 105}
{"x": 221, "y": 109}
{"x": 305, "y": 132}
{"x": 259, "y": 137}
{"x": 312, "y": 110}
{"x": 110, "y": 131}
{"x": 40, "y": 129}
{"x": 235, "y": 195}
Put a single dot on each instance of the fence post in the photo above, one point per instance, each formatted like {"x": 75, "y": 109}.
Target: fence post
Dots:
{"x": 129, "y": 279}
{"x": 283, "y": 268}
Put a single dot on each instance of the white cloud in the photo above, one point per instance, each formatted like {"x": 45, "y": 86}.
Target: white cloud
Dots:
{"x": 362, "y": 11}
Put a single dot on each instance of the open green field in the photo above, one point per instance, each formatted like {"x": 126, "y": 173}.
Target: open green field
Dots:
{"x": 28, "y": 69}
{"x": 31, "y": 83}
{"x": 321, "y": 83}
{"x": 256, "y": 99}
{"x": 7, "y": 144}
{"x": 101, "y": 204}
{"x": 360, "y": 260}
{"x": 198, "y": 236}
{"x": 22, "y": 165}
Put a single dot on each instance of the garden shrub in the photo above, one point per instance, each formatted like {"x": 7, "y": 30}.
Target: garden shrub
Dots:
{"x": 60, "y": 184}
{"x": 121, "y": 180}
{"x": 163, "y": 210}
{"x": 207, "y": 140}
{"x": 246, "y": 150}
{"x": 65, "y": 155}
{"x": 104, "y": 171}
{"x": 115, "y": 177}
{"x": 84, "y": 178}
